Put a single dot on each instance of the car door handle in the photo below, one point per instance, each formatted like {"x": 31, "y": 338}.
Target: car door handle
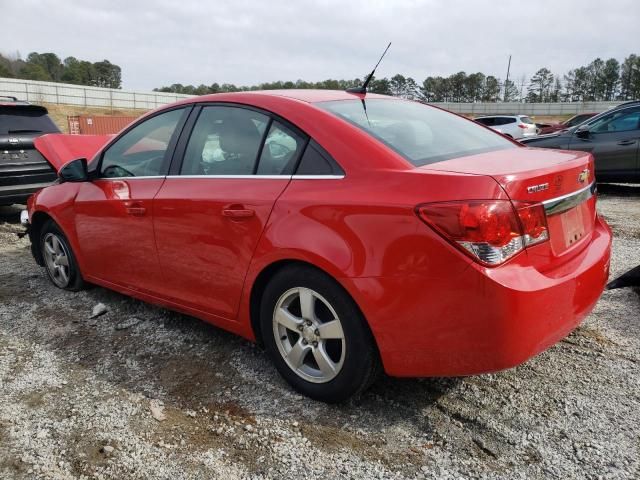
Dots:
{"x": 238, "y": 212}
{"x": 626, "y": 142}
{"x": 135, "y": 208}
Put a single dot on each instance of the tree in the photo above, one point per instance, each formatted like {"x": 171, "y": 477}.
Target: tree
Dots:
{"x": 540, "y": 85}
{"x": 474, "y": 84}
{"x": 630, "y": 78}
{"x": 32, "y": 71}
{"x": 610, "y": 79}
{"x": 491, "y": 89}
{"x": 77, "y": 71}
{"x": 511, "y": 92}
{"x": 49, "y": 62}
{"x": 107, "y": 75}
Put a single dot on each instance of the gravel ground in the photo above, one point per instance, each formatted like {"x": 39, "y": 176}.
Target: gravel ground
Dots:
{"x": 141, "y": 392}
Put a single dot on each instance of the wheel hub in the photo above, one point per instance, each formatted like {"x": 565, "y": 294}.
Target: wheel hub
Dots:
{"x": 308, "y": 334}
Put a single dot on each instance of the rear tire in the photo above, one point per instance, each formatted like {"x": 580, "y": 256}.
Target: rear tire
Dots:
{"x": 59, "y": 260}
{"x": 316, "y": 335}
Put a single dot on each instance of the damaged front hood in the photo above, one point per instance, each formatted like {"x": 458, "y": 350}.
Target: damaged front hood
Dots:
{"x": 59, "y": 149}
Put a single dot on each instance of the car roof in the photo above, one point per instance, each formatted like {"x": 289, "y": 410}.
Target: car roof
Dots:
{"x": 497, "y": 116}
{"x": 8, "y": 101}
{"x": 304, "y": 95}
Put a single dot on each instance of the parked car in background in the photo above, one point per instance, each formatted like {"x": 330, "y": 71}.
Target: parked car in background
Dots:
{"x": 347, "y": 232}
{"x": 23, "y": 170}
{"x": 612, "y": 137}
{"x": 574, "y": 121}
{"x": 514, "y": 126}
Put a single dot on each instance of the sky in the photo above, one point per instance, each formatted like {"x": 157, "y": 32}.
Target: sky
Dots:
{"x": 245, "y": 42}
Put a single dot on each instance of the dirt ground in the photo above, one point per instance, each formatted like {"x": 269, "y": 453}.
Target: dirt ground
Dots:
{"x": 76, "y": 394}
{"x": 59, "y": 113}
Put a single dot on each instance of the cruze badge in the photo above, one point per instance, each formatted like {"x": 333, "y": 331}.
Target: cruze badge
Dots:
{"x": 584, "y": 175}
{"x": 538, "y": 188}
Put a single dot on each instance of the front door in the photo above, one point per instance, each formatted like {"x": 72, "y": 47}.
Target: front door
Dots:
{"x": 613, "y": 141}
{"x": 209, "y": 217}
{"x": 114, "y": 220}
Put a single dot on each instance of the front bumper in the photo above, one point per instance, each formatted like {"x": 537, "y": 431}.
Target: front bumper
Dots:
{"x": 482, "y": 320}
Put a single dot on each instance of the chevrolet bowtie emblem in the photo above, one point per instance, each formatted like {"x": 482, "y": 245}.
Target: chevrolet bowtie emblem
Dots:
{"x": 584, "y": 175}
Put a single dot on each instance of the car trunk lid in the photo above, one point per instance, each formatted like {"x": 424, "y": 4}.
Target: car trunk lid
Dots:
{"x": 562, "y": 180}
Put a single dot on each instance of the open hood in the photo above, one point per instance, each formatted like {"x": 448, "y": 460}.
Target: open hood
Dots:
{"x": 59, "y": 149}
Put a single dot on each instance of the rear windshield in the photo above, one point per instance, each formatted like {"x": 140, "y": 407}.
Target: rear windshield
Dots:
{"x": 25, "y": 120}
{"x": 526, "y": 120}
{"x": 421, "y": 134}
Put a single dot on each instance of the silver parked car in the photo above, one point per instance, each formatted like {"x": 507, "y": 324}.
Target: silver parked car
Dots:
{"x": 514, "y": 126}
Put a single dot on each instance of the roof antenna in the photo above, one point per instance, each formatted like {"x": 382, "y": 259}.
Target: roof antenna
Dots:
{"x": 363, "y": 88}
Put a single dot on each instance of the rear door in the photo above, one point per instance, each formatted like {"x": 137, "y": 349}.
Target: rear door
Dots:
{"x": 114, "y": 211}
{"x": 613, "y": 140}
{"x": 212, "y": 209}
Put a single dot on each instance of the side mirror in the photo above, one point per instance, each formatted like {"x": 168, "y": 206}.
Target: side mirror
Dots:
{"x": 74, "y": 171}
{"x": 582, "y": 132}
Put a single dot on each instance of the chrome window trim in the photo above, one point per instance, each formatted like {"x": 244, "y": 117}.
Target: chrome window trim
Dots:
{"x": 142, "y": 177}
{"x": 317, "y": 177}
{"x": 260, "y": 177}
{"x": 569, "y": 201}
{"x": 264, "y": 177}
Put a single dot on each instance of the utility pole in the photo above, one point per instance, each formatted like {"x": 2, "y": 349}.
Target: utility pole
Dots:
{"x": 506, "y": 82}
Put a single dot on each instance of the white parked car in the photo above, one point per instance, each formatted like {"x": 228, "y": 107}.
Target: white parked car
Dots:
{"x": 514, "y": 126}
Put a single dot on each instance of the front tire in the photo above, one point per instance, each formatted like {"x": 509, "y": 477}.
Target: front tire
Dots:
{"x": 316, "y": 335}
{"x": 59, "y": 260}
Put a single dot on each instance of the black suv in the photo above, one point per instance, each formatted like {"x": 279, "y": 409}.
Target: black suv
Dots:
{"x": 613, "y": 137}
{"x": 23, "y": 170}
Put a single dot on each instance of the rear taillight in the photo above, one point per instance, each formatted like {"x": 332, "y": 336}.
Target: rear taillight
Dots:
{"x": 491, "y": 231}
{"x": 522, "y": 125}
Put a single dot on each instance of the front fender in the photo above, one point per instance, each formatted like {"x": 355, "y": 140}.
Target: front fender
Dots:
{"x": 57, "y": 202}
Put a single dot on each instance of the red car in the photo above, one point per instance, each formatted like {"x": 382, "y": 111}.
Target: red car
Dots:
{"x": 348, "y": 233}
{"x": 572, "y": 122}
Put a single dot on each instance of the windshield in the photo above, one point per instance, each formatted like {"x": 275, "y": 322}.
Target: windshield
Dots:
{"x": 25, "y": 120}
{"x": 421, "y": 134}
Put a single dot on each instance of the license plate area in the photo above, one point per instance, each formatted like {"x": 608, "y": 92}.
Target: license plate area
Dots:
{"x": 568, "y": 229}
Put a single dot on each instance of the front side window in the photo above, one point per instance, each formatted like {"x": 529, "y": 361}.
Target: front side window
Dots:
{"x": 141, "y": 151}
{"x": 622, "y": 121}
{"x": 420, "y": 133}
{"x": 224, "y": 141}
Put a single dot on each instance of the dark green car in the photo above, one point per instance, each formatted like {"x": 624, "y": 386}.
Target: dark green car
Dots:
{"x": 613, "y": 137}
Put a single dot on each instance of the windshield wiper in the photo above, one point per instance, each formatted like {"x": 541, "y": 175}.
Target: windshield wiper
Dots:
{"x": 24, "y": 130}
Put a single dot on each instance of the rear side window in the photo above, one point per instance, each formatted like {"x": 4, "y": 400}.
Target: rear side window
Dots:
{"x": 28, "y": 119}
{"x": 420, "y": 133}
{"x": 281, "y": 151}
{"x": 316, "y": 161}
{"x": 224, "y": 141}
{"x": 508, "y": 120}
{"x": 486, "y": 121}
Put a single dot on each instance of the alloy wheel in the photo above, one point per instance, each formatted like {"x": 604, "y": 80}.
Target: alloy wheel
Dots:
{"x": 56, "y": 259}
{"x": 309, "y": 335}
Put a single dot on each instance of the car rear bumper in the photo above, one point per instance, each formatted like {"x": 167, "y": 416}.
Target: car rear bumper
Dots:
{"x": 483, "y": 320}
{"x": 18, "y": 193}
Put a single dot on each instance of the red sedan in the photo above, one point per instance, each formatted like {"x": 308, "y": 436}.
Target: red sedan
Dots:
{"x": 348, "y": 233}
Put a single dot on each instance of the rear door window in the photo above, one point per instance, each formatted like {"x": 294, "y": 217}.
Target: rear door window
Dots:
{"x": 488, "y": 121}
{"x": 281, "y": 150}
{"x": 225, "y": 141}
